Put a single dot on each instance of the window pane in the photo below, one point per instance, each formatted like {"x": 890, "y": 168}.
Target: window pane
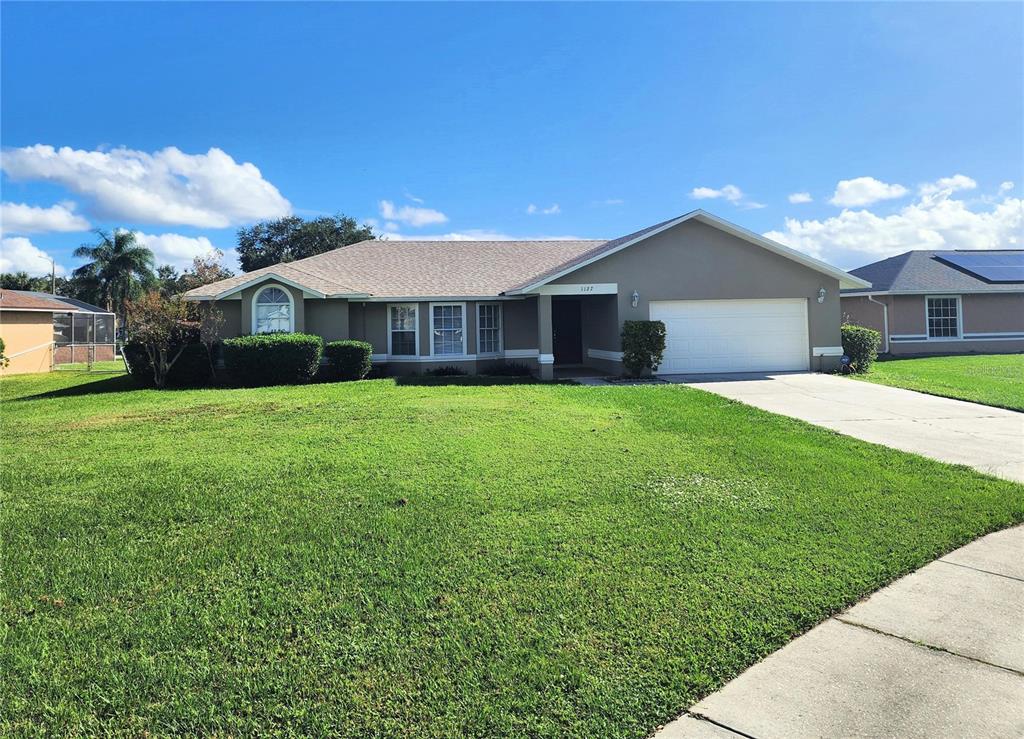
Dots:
{"x": 272, "y": 295}
{"x": 943, "y": 320}
{"x": 271, "y": 318}
{"x": 447, "y": 338}
{"x": 403, "y": 330}
{"x": 62, "y": 328}
{"x": 489, "y": 328}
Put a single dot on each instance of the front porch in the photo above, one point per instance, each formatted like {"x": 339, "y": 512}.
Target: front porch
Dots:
{"x": 578, "y": 335}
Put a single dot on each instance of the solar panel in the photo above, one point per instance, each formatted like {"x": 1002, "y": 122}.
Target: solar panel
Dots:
{"x": 990, "y": 266}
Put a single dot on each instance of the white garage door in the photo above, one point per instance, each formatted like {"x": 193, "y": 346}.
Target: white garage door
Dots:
{"x": 733, "y": 335}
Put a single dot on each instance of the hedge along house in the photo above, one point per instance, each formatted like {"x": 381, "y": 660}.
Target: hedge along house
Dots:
{"x": 732, "y": 301}
{"x": 41, "y": 330}
{"x": 942, "y": 302}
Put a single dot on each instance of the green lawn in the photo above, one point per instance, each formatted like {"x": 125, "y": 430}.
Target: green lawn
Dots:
{"x": 371, "y": 559}
{"x": 992, "y": 379}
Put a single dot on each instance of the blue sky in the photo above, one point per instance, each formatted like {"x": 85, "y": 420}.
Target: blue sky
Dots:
{"x": 903, "y": 125}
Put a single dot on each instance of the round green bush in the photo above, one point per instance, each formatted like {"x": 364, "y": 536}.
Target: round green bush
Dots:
{"x": 273, "y": 359}
{"x": 860, "y": 344}
{"x": 349, "y": 360}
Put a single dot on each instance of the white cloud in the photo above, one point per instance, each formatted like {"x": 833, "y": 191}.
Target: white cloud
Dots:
{"x": 610, "y": 201}
{"x": 407, "y": 214}
{"x": 731, "y": 193}
{"x": 413, "y": 198}
{"x": 552, "y": 210}
{"x": 947, "y": 185}
{"x": 19, "y": 254}
{"x": 168, "y": 186}
{"x": 865, "y": 191}
{"x": 178, "y": 250}
{"x": 857, "y": 237}
{"x": 25, "y": 219}
{"x": 1005, "y": 186}
{"x": 800, "y": 197}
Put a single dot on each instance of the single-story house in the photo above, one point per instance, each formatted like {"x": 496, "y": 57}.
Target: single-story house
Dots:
{"x": 731, "y": 300}
{"x": 942, "y": 302}
{"x": 40, "y": 330}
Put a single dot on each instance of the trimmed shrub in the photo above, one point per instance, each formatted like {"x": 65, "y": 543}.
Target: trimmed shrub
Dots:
{"x": 447, "y": 371}
{"x": 643, "y": 346}
{"x": 273, "y": 359}
{"x": 192, "y": 368}
{"x": 860, "y": 344}
{"x": 4, "y": 361}
{"x": 349, "y": 360}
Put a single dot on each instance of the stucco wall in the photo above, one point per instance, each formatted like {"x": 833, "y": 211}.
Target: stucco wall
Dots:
{"x": 21, "y": 331}
{"x": 982, "y": 313}
{"x": 694, "y": 261}
{"x": 232, "y": 312}
{"x": 327, "y": 318}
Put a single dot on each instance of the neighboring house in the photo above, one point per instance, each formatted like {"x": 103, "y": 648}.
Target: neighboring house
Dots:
{"x": 942, "y": 302}
{"x": 40, "y": 330}
{"x": 731, "y": 300}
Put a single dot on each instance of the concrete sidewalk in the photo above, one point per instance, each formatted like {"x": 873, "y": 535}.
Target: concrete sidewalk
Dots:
{"x": 989, "y": 439}
{"x": 939, "y": 653}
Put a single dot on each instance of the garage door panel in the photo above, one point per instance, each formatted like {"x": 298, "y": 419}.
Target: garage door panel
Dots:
{"x": 733, "y": 335}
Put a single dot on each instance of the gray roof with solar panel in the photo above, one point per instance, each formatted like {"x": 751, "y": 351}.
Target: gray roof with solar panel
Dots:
{"x": 959, "y": 271}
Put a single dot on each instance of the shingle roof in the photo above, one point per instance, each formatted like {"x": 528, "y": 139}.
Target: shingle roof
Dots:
{"x": 418, "y": 268}
{"x": 924, "y": 271}
{"x": 443, "y": 269}
{"x": 74, "y": 303}
{"x": 22, "y": 300}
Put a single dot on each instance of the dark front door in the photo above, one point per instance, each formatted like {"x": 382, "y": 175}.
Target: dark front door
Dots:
{"x": 566, "y": 336}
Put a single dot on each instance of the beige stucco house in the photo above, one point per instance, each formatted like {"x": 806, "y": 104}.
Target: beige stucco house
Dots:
{"x": 942, "y": 302}
{"x": 731, "y": 300}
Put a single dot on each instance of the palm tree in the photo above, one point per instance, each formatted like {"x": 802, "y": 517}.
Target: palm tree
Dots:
{"x": 119, "y": 267}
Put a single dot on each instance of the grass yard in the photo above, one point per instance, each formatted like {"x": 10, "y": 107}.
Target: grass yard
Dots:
{"x": 991, "y": 379}
{"x": 372, "y": 559}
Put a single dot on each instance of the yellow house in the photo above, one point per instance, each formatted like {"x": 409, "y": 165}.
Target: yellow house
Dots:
{"x": 26, "y": 326}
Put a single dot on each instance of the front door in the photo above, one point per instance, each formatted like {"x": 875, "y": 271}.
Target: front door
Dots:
{"x": 567, "y": 336}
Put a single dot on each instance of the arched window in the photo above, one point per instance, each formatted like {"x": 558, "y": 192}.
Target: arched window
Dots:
{"x": 272, "y": 311}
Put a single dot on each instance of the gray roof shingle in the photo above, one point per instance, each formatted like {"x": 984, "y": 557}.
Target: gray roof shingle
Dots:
{"x": 924, "y": 271}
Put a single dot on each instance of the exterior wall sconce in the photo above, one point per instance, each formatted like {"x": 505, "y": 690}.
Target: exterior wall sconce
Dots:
{"x": 636, "y": 298}
{"x": 821, "y": 295}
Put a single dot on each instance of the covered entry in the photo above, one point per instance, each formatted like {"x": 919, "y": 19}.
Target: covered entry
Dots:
{"x": 733, "y": 335}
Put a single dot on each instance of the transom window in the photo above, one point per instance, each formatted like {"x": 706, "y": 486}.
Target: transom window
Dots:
{"x": 403, "y": 330}
{"x": 446, "y": 328}
{"x": 943, "y": 317}
{"x": 488, "y": 326}
{"x": 273, "y": 312}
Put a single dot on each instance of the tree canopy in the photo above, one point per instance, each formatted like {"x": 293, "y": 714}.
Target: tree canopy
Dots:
{"x": 287, "y": 239}
{"x": 119, "y": 268}
{"x": 204, "y": 270}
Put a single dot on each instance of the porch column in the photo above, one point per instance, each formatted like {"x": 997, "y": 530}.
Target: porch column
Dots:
{"x": 545, "y": 345}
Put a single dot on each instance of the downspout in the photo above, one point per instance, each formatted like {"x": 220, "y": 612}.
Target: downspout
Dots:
{"x": 885, "y": 323}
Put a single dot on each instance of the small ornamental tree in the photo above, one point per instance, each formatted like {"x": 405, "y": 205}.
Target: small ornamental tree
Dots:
{"x": 162, "y": 327}
{"x": 211, "y": 321}
{"x": 643, "y": 346}
{"x": 4, "y": 361}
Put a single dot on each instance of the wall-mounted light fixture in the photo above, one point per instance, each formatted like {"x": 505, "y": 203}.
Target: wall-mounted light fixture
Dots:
{"x": 821, "y": 295}
{"x": 636, "y": 298}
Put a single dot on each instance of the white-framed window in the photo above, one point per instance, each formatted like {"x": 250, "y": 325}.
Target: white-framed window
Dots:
{"x": 403, "y": 330}
{"x": 447, "y": 328}
{"x": 488, "y": 328}
{"x": 272, "y": 310}
{"x": 942, "y": 313}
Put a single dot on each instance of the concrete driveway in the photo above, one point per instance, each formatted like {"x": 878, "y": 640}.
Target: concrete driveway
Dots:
{"x": 939, "y": 653}
{"x": 989, "y": 439}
